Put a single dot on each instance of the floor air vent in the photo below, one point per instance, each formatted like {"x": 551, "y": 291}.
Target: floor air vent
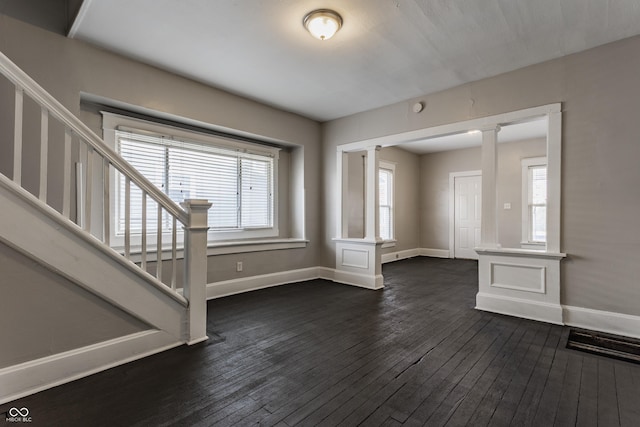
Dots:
{"x": 617, "y": 347}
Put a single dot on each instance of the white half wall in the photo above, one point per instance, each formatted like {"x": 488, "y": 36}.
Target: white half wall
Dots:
{"x": 520, "y": 283}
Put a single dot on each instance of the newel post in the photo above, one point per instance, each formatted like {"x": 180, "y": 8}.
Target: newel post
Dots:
{"x": 195, "y": 268}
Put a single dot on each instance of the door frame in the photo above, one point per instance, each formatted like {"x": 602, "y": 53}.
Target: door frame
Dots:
{"x": 452, "y": 200}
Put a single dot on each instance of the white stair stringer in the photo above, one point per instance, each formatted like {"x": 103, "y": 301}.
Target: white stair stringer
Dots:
{"x": 36, "y": 375}
{"x": 38, "y": 231}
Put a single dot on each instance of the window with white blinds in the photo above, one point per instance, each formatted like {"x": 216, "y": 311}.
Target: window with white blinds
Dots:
{"x": 538, "y": 203}
{"x": 534, "y": 200}
{"x": 385, "y": 196}
{"x": 237, "y": 181}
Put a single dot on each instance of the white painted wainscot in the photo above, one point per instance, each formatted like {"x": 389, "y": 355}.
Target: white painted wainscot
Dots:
{"x": 358, "y": 263}
{"x": 520, "y": 282}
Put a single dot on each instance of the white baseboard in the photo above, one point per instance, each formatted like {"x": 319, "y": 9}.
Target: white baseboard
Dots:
{"x": 31, "y": 377}
{"x": 360, "y": 280}
{"x": 411, "y": 253}
{"x": 252, "y": 283}
{"x": 527, "y": 309}
{"x": 435, "y": 253}
{"x": 352, "y": 279}
{"x": 399, "y": 255}
{"x": 602, "y": 321}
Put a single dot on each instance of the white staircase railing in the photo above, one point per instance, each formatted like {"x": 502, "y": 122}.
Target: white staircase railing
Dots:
{"x": 193, "y": 218}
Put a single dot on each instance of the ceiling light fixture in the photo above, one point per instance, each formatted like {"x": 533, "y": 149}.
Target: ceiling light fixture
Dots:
{"x": 322, "y": 23}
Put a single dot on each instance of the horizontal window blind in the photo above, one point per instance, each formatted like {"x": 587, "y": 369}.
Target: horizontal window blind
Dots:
{"x": 538, "y": 203}
{"x": 237, "y": 182}
{"x": 385, "y": 191}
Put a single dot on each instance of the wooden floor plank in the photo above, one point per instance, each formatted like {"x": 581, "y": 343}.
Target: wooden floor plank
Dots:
{"x": 567, "y": 411}
{"x": 532, "y": 394}
{"x": 320, "y": 353}
{"x": 490, "y": 401}
{"x": 607, "y": 394}
{"x": 447, "y": 379}
{"x": 465, "y": 408}
{"x": 628, "y": 394}
{"x": 551, "y": 395}
{"x": 508, "y": 405}
{"x": 588, "y": 397}
{"x": 462, "y": 387}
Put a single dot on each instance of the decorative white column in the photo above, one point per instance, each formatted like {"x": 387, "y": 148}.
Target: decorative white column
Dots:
{"x": 554, "y": 161}
{"x": 489, "y": 233}
{"x": 195, "y": 268}
{"x": 513, "y": 281}
{"x": 358, "y": 260}
{"x": 342, "y": 182}
{"x": 372, "y": 196}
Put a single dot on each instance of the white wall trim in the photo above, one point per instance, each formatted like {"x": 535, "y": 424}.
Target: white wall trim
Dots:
{"x": 361, "y": 280}
{"x": 252, "y": 283}
{"x": 450, "y": 128}
{"x": 352, "y": 279}
{"x": 603, "y": 321}
{"x": 411, "y": 253}
{"x": 41, "y": 374}
{"x": 435, "y": 253}
{"x": 518, "y": 307}
{"x": 400, "y": 255}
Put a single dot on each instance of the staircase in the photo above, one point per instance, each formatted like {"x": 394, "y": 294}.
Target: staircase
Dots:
{"x": 65, "y": 226}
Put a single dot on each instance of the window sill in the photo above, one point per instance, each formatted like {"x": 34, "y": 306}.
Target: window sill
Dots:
{"x": 241, "y": 246}
{"x": 223, "y": 248}
{"x": 515, "y": 252}
{"x": 388, "y": 244}
{"x": 533, "y": 245}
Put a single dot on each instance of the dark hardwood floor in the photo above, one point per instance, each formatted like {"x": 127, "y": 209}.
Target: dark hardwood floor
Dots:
{"x": 319, "y": 353}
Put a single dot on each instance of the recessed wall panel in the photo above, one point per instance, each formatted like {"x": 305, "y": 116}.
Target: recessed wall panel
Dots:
{"x": 519, "y": 277}
{"x": 355, "y": 258}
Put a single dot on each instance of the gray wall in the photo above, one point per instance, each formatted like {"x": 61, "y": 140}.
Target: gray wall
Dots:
{"x": 68, "y": 67}
{"x": 57, "y": 316}
{"x": 599, "y": 90}
{"x": 435, "y": 195}
{"x": 406, "y": 198}
{"x": 356, "y": 193}
{"x": 434, "y": 192}
{"x": 509, "y": 187}
{"x": 52, "y": 15}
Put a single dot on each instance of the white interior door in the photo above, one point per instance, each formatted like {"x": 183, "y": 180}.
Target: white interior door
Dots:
{"x": 467, "y": 219}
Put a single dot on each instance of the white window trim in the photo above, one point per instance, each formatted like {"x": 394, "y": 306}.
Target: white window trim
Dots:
{"x": 526, "y": 242}
{"x": 112, "y": 122}
{"x": 390, "y": 166}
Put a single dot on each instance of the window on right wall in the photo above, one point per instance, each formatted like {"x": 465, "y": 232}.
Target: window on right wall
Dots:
{"x": 534, "y": 202}
{"x": 386, "y": 200}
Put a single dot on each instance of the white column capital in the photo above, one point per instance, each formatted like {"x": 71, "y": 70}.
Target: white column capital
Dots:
{"x": 197, "y": 210}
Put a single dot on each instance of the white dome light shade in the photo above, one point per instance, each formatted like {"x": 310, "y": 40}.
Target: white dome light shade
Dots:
{"x": 322, "y": 23}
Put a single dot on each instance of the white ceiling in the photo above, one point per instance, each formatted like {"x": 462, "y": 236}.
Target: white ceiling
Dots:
{"x": 387, "y": 51}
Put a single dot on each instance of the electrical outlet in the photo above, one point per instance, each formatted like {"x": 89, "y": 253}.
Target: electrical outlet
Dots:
{"x": 239, "y": 266}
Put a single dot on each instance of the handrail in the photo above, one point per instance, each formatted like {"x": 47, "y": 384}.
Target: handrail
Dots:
{"x": 18, "y": 77}
{"x": 193, "y": 216}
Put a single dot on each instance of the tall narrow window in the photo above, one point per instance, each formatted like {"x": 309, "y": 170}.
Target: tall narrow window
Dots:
{"x": 534, "y": 177}
{"x": 385, "y": 185}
